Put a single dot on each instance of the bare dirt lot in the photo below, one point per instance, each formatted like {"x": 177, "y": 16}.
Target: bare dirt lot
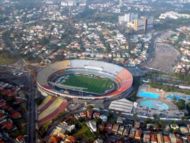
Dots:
{"x": 164, "y": 58}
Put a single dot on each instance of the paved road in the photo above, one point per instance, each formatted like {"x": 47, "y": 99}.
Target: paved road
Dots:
{"x": 26, "y": 80}
{"x": 31, "y": 110}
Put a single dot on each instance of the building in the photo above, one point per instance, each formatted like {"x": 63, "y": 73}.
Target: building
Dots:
{"x": 138, "y": 134}
{"x": 121, "y": 130}
{"x": 153, "y": 138}
{"x": 121, "y": 105}
{"x": 132, "y": 133}
{"x": 166, "y": 139}
{"x": 139, "y": 24}
{"x": 68, "y": 3}
{"x": 146, "y": 137}
{"x": 48, "y": 86}
{"x": 173, "y": 138}
{"x": 115, "y": 128}
{"x": 132, "y": 21}
{"x": 127, "y": 18}
{"x": 98, "y": 141}
{"x": 124, "y": 19}
{"x": 160, "y": 138}
{"x": 92, "y": 125}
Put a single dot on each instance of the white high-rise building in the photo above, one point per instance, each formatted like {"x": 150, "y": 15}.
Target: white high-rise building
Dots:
{"x": 126, "y": 18}
{"x": 68, "y": 3}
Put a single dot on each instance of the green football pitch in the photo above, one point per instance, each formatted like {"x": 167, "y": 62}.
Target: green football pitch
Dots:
{"x": 89, "y": 83}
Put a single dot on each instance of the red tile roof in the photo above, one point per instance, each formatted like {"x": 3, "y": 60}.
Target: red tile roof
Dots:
{"x": 89, "y": 114}
{"x": 7, "y": 125}
{"x": 20, "y": 139}
{"x": 153, "y": 138}
{"x": 1, "y": 140}
{"x": 166, "y": 139}
{"x": 83, "y": 114}
{"x": 138, "y": 134}
{"x": 71, "y": 139}
{"x": 2, "y": 103}
{"x": 16, "y": 115}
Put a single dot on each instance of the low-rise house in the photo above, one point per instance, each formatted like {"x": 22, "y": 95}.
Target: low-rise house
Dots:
{"x": 120, "y": 120}
{"x": 173, "y": 138}
{"x": 20, "y": 139}
{"x": 101, "y": 127}
{"x": 146, "y": 137}
{"x": 184, "y": 130}
{"x": 126, "y": 132}
{"x": 77, "y": 116}
{"x": 83, "y": 114}
{"x": 70, "y": 139}
{"x": 132, "y": 133}
{"x": 98, "y": 141}
{"x": 188, "y": 138}
{"x": 15, "y": 115}
{"x": 137, "y": 125}
{"x": 108, "y": 127}
{"x": 96, "y": 115}
{"x": 153, "y": 138}
{"x": 179, "y": 140}
{"x": 92, "y": 125}
{"x": 121, "y": 129}
{"x": 2, "y": 103}
{"x": 89, "y": 114}
{"x": 138, "y": 134}
{"x": 166, "y": 139}
{"x": 7, "y": 124}
{"x": 160, "y": 138}
{"x": 104, "y": 118}
{"x": 115, "y": 128}
{"x": 188, "y": 127}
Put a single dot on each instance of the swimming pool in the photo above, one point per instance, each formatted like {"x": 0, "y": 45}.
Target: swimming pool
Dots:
{"x": 154, "y": 104}
{"x": 177, "y": 97}
{"x": 146, "y": 94}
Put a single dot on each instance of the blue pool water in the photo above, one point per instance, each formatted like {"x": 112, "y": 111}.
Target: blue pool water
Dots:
{"x": 174, "y": 97}
{"x": 154, "y": 104}
{"x": 146, "y": 94}
{"x": 177, "y": 97}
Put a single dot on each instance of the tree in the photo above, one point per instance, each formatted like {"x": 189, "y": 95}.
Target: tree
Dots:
{"x": 135, "y": 117}
{"x": 188, "y": 107}
{"x": 180, "y": 104}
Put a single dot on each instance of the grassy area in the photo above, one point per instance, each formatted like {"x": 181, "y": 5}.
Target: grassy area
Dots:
{"x": 6, "y": 58}
{"x": 85, "y": 134}
{"x": 184, "y": 77}
{"x": 89, "y": 83}
{"x": 169, "y": 88}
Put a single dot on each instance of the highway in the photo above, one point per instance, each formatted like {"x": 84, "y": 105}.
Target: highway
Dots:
{"x": 6, "y": 74}
{"x": 31, "y": 110}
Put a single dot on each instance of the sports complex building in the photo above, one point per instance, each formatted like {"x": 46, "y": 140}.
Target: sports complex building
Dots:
{"x": 84, "y": 79}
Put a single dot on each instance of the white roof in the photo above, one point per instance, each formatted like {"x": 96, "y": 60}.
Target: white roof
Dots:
{"x": 122, "y": 105}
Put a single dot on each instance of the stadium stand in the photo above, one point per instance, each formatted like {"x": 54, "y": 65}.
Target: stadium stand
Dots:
{"x": 53, "y": 68}
{"x": 105, "y": 66}
{"x": 118, "y": 74}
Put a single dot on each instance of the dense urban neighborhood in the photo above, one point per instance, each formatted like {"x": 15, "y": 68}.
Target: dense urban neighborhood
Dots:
{"x": 94, "y": 71}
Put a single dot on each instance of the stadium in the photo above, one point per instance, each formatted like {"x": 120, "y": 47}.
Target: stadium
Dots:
{"x": 84, "y": 79}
